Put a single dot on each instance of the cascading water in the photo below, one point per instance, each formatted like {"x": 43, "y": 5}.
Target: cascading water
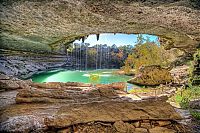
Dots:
{"x": 80, "y": 56}
{"x": 97, "y": 56}
{"x": 100, "y": 58}
{"x": 104, "y": 52}
{"x": 86, "y": 48}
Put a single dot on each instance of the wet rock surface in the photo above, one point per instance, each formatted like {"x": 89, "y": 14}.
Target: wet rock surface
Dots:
{"x": 152, "y": 76}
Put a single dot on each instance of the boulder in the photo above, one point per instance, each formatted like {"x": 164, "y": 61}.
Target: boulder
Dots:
{"x": 152, "y": 76}
{"x": 59, "y": 85}
{"x": 8, "y": 83}
{"x": 121, "y": 127}
{"x": 116, "y": 86}
{"x": 136, "y": 124}
{"x": 112, "y": 111}
{"x": 67, "y": 94}
{"x": 4, "y": 77}
{"x": 22, "y": 124}
{"x": 163, "y": 123}
{"x": 180, "y": 74}
{"x": 141, "y": 130}
{"x": 161, "y": 130}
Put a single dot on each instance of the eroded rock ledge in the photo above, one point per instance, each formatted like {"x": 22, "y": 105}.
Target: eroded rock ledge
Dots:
{"x": 25, "y": 64}
{"x": 78, "y": 107}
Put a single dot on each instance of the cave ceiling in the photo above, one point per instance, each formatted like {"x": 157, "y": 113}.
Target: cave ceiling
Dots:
{"x": 55, "y": 22}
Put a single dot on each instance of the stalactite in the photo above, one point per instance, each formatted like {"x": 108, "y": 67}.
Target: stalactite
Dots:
{"x": 98, "y": 35}
{"x": 83, "y": 39}
{"x": 97, "y": 57}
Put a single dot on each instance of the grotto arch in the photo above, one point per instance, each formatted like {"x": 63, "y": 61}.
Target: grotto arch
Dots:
{"x": 53, "y": 23}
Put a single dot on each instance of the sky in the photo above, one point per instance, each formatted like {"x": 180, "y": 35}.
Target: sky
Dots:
{"x": 117, "y": 39}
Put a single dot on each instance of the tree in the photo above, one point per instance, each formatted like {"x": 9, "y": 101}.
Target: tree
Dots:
{"x": 145, "y": 53}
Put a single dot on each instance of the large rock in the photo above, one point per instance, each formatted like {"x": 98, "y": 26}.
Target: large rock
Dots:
{"x": 152, "y": 76}
{"x": 161, "y": 130}
{"x": 116, "y": 86}
{"x": 10, "y": 83}
{"x": 59, "y": 85}
{"x": 4, "y": 77}
{"x": 64, "y": 93}
{"x": 22, "y": 124}
{"x": 79, "y": 110}
{"x": 180, "y": 74}
{"x": 122, "y": 127}
{"x": 111, "y": 111}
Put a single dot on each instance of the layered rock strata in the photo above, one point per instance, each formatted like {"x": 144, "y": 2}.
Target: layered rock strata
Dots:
{"x": 78, "y": 107}
{"x": 24, "y": 64}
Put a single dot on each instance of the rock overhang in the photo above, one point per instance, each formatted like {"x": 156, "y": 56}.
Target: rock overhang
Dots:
{"x": 54, "y": 23}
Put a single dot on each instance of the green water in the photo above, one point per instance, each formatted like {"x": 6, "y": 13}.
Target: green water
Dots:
{"x": 106, "y": 76}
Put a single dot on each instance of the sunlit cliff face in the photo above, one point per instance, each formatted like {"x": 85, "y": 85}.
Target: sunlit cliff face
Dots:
{"x": 53, "y": 23}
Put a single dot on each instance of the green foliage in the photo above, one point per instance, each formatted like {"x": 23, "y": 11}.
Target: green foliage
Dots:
{"x": 193, "y": 76}
{"x": 145, "y": 53}
{"x": 94, "y": 78}
{"x": 195, "y": 114}
{"x": 184, "y": 96}
{"x": 14, "y": 42}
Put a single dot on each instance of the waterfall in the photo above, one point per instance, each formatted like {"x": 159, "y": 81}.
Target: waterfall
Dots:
{"x": 100, "y": 58}
{"x": 76, "y": 56}
{"x": 97, "y": 57}
{"x": 73, "y": 55}
{"x": 106, "y": 57}
{"x": 86, "y": 50}
{"x": 80, "y": 58}
{"x": 108, "y": 60}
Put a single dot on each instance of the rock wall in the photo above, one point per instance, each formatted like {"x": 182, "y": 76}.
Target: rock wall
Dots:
{"x": 24, "y": 64}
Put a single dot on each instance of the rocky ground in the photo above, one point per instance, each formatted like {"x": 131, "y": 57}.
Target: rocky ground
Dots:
{"x": 78, "y": 107}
